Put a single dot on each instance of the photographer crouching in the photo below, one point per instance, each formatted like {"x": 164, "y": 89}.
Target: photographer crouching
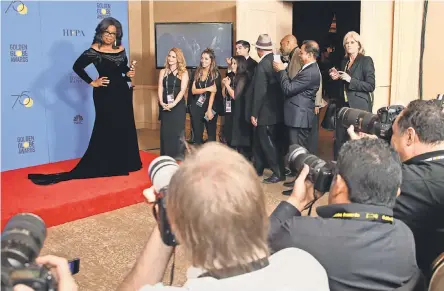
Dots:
{"x": 355, "y": 237}
{"x": 216, "y": 211}
{"x": 418, "y": 137}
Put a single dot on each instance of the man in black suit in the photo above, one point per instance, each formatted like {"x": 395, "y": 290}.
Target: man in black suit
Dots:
{"x": 300, "y": 94}
{"x": 243, "y": 49}
{"x": 267, "y": 111}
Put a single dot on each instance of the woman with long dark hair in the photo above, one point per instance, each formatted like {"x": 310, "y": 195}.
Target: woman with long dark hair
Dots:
{"x": 113, "y": 148}
{"x": 173, "y": 82}
{"x": 236, "y": 129}
{"x": 204, "y": 104}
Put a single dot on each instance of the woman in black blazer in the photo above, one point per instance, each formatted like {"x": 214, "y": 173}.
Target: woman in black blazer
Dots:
{"x": 357, "y": 74}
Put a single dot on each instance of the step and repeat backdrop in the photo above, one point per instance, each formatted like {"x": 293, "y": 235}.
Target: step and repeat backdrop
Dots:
{"x": 47, "y": 111}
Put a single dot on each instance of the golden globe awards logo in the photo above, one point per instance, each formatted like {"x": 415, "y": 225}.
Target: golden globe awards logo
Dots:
{"x": 23, "y": 99}
{"x": 103, "y": 10}
{"x": 25, "y": 144}
{"x": 78, "y": 119}
{"x": 18, "y": 53}
{"x": 17, "y": 6}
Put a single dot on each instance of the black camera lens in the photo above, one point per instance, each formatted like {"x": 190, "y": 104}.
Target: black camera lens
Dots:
{"x": 161, "y": 170}
{"x": 299, "y": 156}
{"x": 22, "y": 239}
{"x": 361, "y": 120}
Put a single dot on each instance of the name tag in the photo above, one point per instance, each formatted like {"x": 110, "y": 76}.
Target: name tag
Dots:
{"x": 228, "y": 106}
{"x": 201, "y": 100}
{"x": 170, "y": 98}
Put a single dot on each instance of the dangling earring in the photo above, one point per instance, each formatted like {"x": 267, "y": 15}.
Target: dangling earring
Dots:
{"x": 115, "y": 43}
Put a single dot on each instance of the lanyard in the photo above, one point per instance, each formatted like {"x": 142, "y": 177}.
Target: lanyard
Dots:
{"x": 232, "y": 87}
{"x": 434, "y": 158}
{"x": 200, "y": 78}
{"x": 367, "y": 216}
{"x": 166, "y": 81}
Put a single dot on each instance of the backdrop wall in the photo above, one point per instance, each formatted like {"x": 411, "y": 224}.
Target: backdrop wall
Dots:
{"x": 47, "y": 111}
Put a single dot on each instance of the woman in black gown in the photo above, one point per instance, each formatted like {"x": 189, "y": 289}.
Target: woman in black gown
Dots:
{"x": 204, "y": 105}
{"x": 113, "y": 148}
{"x": 173, "y": 81}
{"x": 236, "y": 128}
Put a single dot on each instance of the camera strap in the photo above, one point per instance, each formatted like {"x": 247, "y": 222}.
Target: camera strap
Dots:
{"x": 236, "y": 270}
{"x": 364, "y": 216}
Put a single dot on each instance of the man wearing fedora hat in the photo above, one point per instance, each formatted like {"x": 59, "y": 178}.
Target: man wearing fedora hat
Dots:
{"x": 267, "y": 113}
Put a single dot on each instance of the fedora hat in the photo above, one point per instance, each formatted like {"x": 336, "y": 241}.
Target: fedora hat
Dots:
{"x": 264, "y": 42}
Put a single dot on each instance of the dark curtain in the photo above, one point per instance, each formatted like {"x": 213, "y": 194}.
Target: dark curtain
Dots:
{"x": 312, "y": 20}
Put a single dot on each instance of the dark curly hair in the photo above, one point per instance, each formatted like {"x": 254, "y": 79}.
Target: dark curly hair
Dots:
{"x": 103, "y": 26}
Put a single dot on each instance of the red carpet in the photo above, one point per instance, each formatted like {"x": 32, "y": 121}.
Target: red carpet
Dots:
{"x": 70, "y": 200}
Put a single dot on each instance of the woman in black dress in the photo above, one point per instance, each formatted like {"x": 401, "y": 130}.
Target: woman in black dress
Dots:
{"x": 236, "y": 128}
{"x": 113, "y": 148}
{"x": 204, "y": 105}
{"x": 173, "y": 81}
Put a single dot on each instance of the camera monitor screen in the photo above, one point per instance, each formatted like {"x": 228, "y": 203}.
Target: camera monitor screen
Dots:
{"x": 192, "y": 38}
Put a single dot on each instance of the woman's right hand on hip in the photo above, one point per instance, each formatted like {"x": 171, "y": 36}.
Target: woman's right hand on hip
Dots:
{"x": 100, "y": 82}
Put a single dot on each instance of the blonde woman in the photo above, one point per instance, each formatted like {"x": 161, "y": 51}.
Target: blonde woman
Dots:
{"x": 357, "y": 74}
{"x": 173, "y": 81}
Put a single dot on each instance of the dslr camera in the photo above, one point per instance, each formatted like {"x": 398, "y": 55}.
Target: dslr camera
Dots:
{"x": 22, "y": 241}
{"x": 320, "y": 174}
{"x": 379, "y": 124}
{"x": 160, "y": 171}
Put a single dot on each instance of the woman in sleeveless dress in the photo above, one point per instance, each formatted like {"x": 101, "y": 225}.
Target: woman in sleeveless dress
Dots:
{"x": 173, "y": 81}
{"x": 113, "y": 148}
{"x": 205, "y": 102}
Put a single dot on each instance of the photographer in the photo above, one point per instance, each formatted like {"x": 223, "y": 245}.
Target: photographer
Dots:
{"x": 355, "y": 238}
{"x": 217, "y": 210}
{"x": 418, "y": 137}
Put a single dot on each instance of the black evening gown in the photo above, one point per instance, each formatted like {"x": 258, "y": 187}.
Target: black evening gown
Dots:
{"x": 237, "y": 129}
{"x": 172, "y": 123}
{"x": 113, "y": 148}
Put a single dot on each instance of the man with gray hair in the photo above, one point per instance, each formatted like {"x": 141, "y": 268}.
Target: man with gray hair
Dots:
{"x": 217, "y": 210}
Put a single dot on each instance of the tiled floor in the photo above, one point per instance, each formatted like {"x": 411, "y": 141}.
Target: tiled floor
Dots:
{"x": 108, "y": 244}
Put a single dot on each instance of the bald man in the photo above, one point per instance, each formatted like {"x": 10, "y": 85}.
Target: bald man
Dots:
{"x": 289, "y": 48}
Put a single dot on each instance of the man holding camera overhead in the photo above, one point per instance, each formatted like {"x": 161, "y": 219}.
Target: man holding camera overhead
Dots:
{"x": 356, "y": 238}
{"x": 217, "y": 210}
{"x": 418, "y": 137}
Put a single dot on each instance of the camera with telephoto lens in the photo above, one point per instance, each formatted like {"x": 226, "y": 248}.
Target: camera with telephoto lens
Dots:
{"x": 320, "y": 173}
{"x": 379, "y": 124}
{"x": 22, "y": 241}
{"x": 160, "y": 171}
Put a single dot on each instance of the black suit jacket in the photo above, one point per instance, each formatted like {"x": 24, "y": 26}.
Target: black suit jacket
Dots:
{"x": 362, "y": 83}
{"x": 267, "y": 103}
{"x": 300, "y": 94}
{"x": 251, "y": 67}
{"x": 357, "y": 255}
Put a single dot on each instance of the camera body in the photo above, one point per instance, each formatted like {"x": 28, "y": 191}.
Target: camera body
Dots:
{"x": 320, "y": 173}
{"x": 379, "y": 124}
{"x": 39, "y": 278}
{"x": 22, "y": 240}
{"x": 160, "y": 171}
{"x": 167, "y": 235}
{"x": 386, "y": 116}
